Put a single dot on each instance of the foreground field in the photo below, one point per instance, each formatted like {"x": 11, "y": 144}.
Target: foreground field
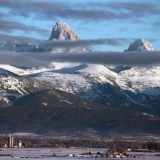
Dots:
{"x": 48, "y": 153}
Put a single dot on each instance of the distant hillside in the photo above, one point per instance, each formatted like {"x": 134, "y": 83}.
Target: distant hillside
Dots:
{"x": 51, "y": 111}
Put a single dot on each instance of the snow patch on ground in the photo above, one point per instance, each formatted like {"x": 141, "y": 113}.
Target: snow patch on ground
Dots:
{"x": 25, "y": 134}
{"x": 10, "y": 94}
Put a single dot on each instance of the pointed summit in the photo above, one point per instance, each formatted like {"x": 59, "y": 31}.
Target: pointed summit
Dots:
{"x": 61, "y": 31}
{"x": 140, "y": 45}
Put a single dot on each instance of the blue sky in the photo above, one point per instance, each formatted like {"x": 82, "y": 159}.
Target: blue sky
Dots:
{"x": 123, "y": 19}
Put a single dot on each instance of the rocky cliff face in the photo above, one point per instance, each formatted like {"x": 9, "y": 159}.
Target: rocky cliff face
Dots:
{"x": 62, "y": 31}
{"x": 140, "y": 45}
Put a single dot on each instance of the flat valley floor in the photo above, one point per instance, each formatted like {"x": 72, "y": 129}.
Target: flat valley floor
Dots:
{"x": 47, "y": 154}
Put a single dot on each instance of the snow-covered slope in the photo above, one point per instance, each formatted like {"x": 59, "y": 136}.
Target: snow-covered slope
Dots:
{"x": 23, "y": 72}
{"x": 13, "y": 86}
{"x": 133, "y": 88}
{"x": 98, "y": 83}
{"x": 143, "y": 80}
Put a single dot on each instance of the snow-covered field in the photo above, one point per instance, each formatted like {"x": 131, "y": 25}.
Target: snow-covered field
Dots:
{"x": 37, "y": 153}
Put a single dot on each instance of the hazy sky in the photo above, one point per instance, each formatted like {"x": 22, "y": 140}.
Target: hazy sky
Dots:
{"x": 123, "y": 20}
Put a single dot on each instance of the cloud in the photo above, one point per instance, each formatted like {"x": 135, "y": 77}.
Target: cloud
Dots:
{"x": 21, "y": 59}
{"x": 82, "y": 43}
{"x": 156, "y": 24}
{"x": 85, "y": 29}
{"x": 5, "y": 38}
{"x": 152, "y": 39}
{"x": 2, "y": 15}
{"x": 64, "y": 43}
{"x": 48, "y": 45}
{"x": 81, "y": 11}
{"x": 137, "y": 58}
{"x": 135, "y": 7}
{"x": 6, "y": 26}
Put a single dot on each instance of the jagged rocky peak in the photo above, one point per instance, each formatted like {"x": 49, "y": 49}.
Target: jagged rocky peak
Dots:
{"x": 140, "y": 45}
{"x": 61, "y": 31}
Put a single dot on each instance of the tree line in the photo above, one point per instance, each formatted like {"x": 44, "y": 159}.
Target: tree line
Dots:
{"x": 49, "y": 142}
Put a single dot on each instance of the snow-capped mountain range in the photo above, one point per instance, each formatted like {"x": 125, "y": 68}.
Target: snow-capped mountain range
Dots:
{"x": 133, "y": 88}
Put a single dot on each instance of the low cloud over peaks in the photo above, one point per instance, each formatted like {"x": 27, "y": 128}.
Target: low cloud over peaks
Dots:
{"x": 82, "y": 43}
{"x": 137, "y": 58}
{"x": 5, "y": 38}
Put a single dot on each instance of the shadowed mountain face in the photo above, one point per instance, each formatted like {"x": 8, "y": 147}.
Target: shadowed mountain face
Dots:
{"x": 50, "y": 111}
